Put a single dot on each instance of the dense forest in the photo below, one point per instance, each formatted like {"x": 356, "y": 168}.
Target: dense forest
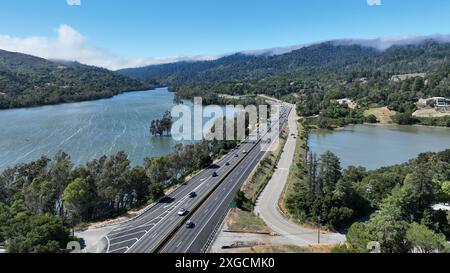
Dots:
{"x": 329, "y": 56}
{"x": 400, "y": 200}
{"x": 315, "y": 77}
{"x": 41, "y": 200}
{"x": 30, "y": 81}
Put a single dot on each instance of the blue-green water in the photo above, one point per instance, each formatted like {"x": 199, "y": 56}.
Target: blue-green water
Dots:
{"x": 86, "y": 130}
{"x": 374, "y": 146}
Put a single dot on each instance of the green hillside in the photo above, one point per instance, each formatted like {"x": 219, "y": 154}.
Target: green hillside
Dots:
{"x": 30, "y": 81}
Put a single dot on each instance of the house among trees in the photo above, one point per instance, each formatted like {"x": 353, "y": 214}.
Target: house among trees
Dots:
{"x": 351, "y": 104}
{"x": 440, "y": 103}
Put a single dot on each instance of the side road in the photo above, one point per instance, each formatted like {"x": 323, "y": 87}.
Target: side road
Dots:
{"x": 267, "y": 205}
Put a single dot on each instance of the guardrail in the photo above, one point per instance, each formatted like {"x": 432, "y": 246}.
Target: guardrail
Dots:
{"x": 181, "y": 222}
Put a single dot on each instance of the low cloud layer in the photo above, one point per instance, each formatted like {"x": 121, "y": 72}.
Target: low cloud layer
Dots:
{"x": 70, "y": 45}
{"x": 374, "y": 2}
{"x": 380, "y": 43}
{"x": 73, "y": 2}
{"x": 383, "y": 43}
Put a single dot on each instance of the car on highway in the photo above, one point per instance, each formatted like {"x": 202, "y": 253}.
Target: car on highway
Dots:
{"x": 193, "y": 194}
{"x": 189, "y": 224}
{"x": 244, "y": 152}
{"x": 182, "y": 212}
{"x": 215, "y": 174}
{"x": 236, "y": 155}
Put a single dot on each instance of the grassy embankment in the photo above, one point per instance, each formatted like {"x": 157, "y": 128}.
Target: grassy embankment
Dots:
{"x": 297, "y": 171}
{"x": 244, "y": 220}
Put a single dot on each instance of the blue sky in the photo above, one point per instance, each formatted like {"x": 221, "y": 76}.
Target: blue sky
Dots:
{"x": 146, "y": 29}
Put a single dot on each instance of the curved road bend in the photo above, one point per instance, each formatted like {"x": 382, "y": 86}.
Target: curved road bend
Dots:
{"x": 268, "y": 207}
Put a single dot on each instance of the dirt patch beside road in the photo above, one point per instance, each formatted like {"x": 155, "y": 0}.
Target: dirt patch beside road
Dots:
{"x": 244, "y": 221}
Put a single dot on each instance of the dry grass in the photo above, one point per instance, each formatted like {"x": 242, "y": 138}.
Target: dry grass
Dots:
{"x": 283, "y": 249}
{"x": 383, "y": 114}
{"x": 244, "y": 221}
{"x": 429, "y": 113}
{"x": 294, "y": 173}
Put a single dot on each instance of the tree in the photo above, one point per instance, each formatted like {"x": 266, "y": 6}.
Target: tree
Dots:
{"x": 156, "y": 190}
{"x": 420, "y": 192}
{"x": 138, "y": 185}
{"x": 240, "y": 199}
{"x": 390, "y": 233}
{"x": 358, "y": 236}
{"x": 161, "y": 126}
{"x": 60, "y": 175}
{"x": 371, "y": 119}
{"x": 446, "y": 190}
{"x": 418, "y": 84}
{"x": 79, "y": 197}
{"x": 37, "y": 234}
{"x": 5, "y": 217}
{"x": 39, "y": 196}
{"x": 424, "y": 240}
{"x": 405, "y": 119}
{"x": 329, "y": 172}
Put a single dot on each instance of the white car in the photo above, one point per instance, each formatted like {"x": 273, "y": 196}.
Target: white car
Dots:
{"x": 182, "y": 212}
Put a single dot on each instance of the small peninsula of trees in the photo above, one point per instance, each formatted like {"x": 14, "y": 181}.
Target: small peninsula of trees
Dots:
{"x": 159, "y": 127}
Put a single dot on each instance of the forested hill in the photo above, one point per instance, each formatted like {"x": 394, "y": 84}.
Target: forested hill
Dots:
{"x": 30, "y": 81}
{"x": 331, "y": 56}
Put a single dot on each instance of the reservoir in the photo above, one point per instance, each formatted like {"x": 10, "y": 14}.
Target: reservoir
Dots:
{"x": 375, "y": 146}
{"x": 87, "y": 130}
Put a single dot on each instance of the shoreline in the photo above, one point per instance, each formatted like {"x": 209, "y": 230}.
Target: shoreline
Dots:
{"x": 379, "y": 125}
{"x": 84, "y": 100}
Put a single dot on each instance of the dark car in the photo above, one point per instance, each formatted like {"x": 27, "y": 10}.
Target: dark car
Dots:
{"x": 189, "y": 224}
{"x": 193, "y": 194}
{"x": 215, "y": 174}
{"x": 227, "y": 164}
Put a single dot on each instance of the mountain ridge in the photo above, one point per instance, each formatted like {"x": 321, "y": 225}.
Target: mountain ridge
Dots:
{"x": 27, "y": 80}
{"x": 327, "y": 55}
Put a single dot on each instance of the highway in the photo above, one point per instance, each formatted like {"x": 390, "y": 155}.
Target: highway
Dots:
{"x": 161, "y": 229}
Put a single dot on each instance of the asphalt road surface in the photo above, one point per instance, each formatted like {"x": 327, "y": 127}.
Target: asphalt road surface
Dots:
{"x": 267, "y": 206}
{"x": 160, "y": 228}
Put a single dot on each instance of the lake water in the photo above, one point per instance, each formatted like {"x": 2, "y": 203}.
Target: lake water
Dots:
{"x": 86, "y": 130}
{"x": 373, "y": 146}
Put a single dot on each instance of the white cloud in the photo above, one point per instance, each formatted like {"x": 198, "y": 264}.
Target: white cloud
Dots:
{"x": 374, "y": 2}
{"x": 73, "y": 2}
{"x": 70, "y": 45}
